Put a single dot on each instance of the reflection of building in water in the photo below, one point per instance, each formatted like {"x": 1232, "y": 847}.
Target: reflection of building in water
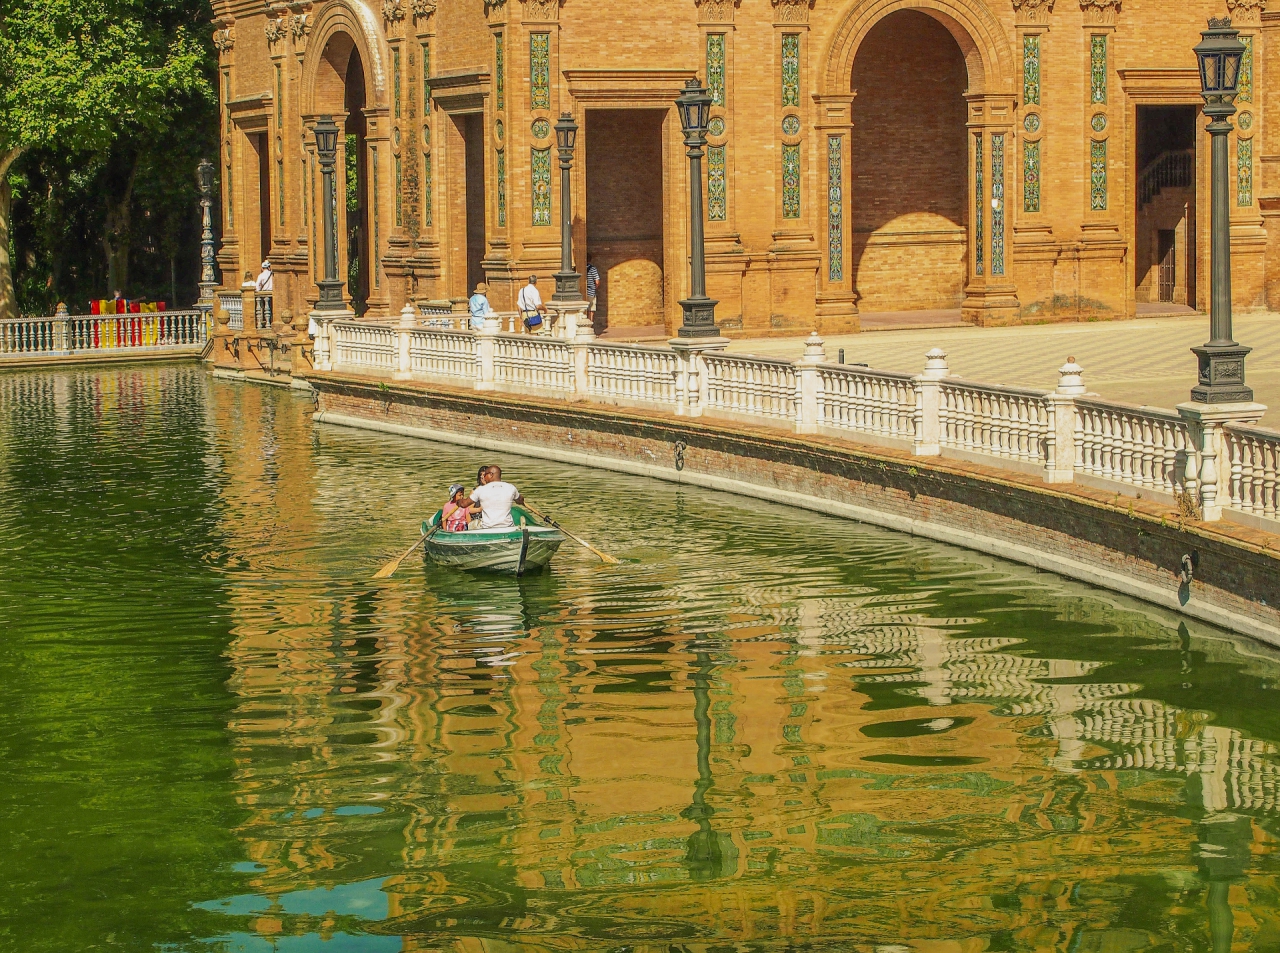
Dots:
{"x": 573, "y": 770}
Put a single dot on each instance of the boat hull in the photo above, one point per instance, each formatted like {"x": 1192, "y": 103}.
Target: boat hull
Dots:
{"x": 515, "y": 550}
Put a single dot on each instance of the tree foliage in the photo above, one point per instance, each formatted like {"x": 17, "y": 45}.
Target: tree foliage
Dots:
{"x": 88, "y": 88}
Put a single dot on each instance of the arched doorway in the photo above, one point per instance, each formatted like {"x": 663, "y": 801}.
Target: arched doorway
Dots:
{"x": 340, "y": 91}
{"x": 909, "y": 184}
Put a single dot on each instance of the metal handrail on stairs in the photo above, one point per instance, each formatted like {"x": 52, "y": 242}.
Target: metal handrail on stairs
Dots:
{"x": 1175, "y": 169}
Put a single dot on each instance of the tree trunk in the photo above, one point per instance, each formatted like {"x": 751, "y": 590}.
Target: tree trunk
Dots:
{"x": 8, "y": 299}
{"x": 116, "y": 237}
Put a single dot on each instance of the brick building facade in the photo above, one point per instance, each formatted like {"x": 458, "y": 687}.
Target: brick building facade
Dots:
{"x": 1015, "y": 160}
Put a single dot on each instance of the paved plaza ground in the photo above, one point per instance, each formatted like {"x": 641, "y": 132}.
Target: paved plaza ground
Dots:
{"x": 1143, "y": 361}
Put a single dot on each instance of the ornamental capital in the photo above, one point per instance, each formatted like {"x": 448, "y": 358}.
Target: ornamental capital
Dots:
{"x": 224, "y": 40}
{"x": 716, "y": 11}
{"x": 1032, "y": 11}
{"x": 547, "y": 10}
{"x": 392, "y": 11}
{"x": 422, "y": 9}
{"x": 1247, "y": 12}
{"x": 274, "y": 30}
{"x": 1100, "y": 12}
{"x": 792, "y": 11}
{"x": 299, "y": 26}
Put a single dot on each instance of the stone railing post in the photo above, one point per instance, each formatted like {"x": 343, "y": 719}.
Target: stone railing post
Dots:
{"x": 808, "y": 383}
{"x": 248, "y": 304}
{"x": 1060, "y": 454}
{"x": 404, "y": 335}
{"x": 1211, "y": 472}
{"x": 61, "y": 328}
{"x": 928, "y": 425}
{"x": 323, "y": 346}
{"x": 585, "y": 336}
{"x": 486, "y": 344}
{"x": 691, "y": 374}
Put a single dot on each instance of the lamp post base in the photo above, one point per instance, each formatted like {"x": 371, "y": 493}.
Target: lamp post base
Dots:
{"x": 699, "y": 318}
{"x": 330, "y": 296}
{"x": 567, "y": 286}
{"x": 1221, "y": 375}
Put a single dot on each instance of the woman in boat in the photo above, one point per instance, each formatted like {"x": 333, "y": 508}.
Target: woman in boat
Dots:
{"x": 456, "y": 515}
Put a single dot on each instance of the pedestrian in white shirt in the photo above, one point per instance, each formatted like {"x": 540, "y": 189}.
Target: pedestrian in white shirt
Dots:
{"x": 495, "y": 498}
{"x": 265, "y": 285}
{"x": 529, "y": 303}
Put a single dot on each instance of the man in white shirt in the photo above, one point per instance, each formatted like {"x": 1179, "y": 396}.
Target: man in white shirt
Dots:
{"x": 529, "y": 303}
{"x": 495, "y": 498}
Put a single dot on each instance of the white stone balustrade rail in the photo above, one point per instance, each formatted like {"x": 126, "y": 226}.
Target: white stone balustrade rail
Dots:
{"x": 1219, "y": 465}
{"x": 1253, "y": 470}
{"x": 1013, "y": 423}
{"x": 1144, "y": 447}
{"x": 865, "y": 401}
{"x": 631, "y": 373}
{"x": 532, "y": 362}
{"x": 440, "y": 353}
{"x": 67, "y": 335}
{"x": 232, "y": 305}
{"x": 750, "y": 386}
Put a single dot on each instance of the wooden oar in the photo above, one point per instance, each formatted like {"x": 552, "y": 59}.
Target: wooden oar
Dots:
{"x": 390, "y": 568}
{"x": 604, "y": 557}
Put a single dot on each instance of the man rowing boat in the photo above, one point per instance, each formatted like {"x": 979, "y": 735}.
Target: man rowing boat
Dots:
{"x": 495, "y": 497}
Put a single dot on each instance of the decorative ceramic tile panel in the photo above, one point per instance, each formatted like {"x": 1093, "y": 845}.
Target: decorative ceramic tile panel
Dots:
{"x": 540, "y": 71}
{"x": 395, "y": 78}
{"x": 715, "y": 68}
{"x": 790, "y": 181}
{"x": 997, "y": 205}
{"x": 1098, "y": 175}
{"x": 791, "y": 69}
{"x": 280, "y": 188}
{"x": 1031, "y": 71}
{"x": 1098, "y": 68}
{"x": 717, "y": 185}
{"x": 279, "y": 97}
{"x": 377, "y": 241}
{"x": 1031, "y": 176}
{"x": 499, "y": 71}
{"x": 541, "y": 166}
{"x": 835, "y": 209}
{"x": 399, "y": 192}
{"x": 1244, "y": 172}
{"x": 980, "y": 199}
{"x": 1245, "y": 80}
{"x": 305, "y": 186}
{"x": 426, "y": 79}
{"x": 426, "y": 189}
{"x": 501, "y": 165}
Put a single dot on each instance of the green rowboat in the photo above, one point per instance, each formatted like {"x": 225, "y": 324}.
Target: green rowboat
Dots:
{"x": 515, "y": 549}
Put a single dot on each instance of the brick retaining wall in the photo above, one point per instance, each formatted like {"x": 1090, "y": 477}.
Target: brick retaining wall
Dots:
{"x": 1130, "y": 546}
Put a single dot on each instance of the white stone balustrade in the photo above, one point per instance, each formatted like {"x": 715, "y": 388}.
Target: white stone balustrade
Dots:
{"x": 1143, "y": 447}
{"x": 625, "y": 373}
{"x": 232, "y": 305}
{"x": 750, "y": 386}
{"x": 1211, "y": 457}
{"x": 77, "y": 334}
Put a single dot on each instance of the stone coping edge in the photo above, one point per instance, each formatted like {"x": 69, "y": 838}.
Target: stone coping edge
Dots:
{"x": 1079, "y": 570}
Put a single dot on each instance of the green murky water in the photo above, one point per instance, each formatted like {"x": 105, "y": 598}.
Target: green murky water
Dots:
{"x": 766, "y": 730}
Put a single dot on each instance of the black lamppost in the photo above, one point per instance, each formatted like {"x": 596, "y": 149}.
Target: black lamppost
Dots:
{"x": 699, "y": 310}
{"x": 326, "y": 132}
{"x": 566, "y": 277}
{"x": 1221, "y": 359}
{"x": 208, "y": 275}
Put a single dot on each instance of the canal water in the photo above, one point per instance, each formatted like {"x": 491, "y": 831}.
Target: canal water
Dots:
{"x": 765, "y": 730}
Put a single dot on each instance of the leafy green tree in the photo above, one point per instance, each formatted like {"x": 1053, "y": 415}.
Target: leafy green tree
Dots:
{"x": 76, "y": 76}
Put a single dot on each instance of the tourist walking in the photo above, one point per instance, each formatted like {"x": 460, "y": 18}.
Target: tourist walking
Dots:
{"x": 479, "y": 306}
{"x": 529, "y": 303}
{"x": 593, "y": 288}
{"x": 265, "y": 286}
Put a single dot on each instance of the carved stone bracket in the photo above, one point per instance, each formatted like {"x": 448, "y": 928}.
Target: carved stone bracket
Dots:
{"x": 393, "y": 17}
{"x": 422, "y": 9}
{"x": 1100, "y": 12}
{"x": 224, "y": 40}
{"x": 716, "y": 11}
{"x": 299, "y": 27}
{"x": 792, "y": 11}
{"x": 275, "y": 31}
{"x": 545, "y": 10}
{"x": 1032, "y": 12}
{"x": 493, "y": 9}
{"x": 1246, "y": 12}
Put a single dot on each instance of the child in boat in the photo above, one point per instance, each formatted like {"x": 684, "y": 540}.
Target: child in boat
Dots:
{"x": 456, "y": 515}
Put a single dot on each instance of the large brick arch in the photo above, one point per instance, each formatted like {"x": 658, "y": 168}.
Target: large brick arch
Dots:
{"x": 339, "y": 28}
{"x": 984, "y": 43}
